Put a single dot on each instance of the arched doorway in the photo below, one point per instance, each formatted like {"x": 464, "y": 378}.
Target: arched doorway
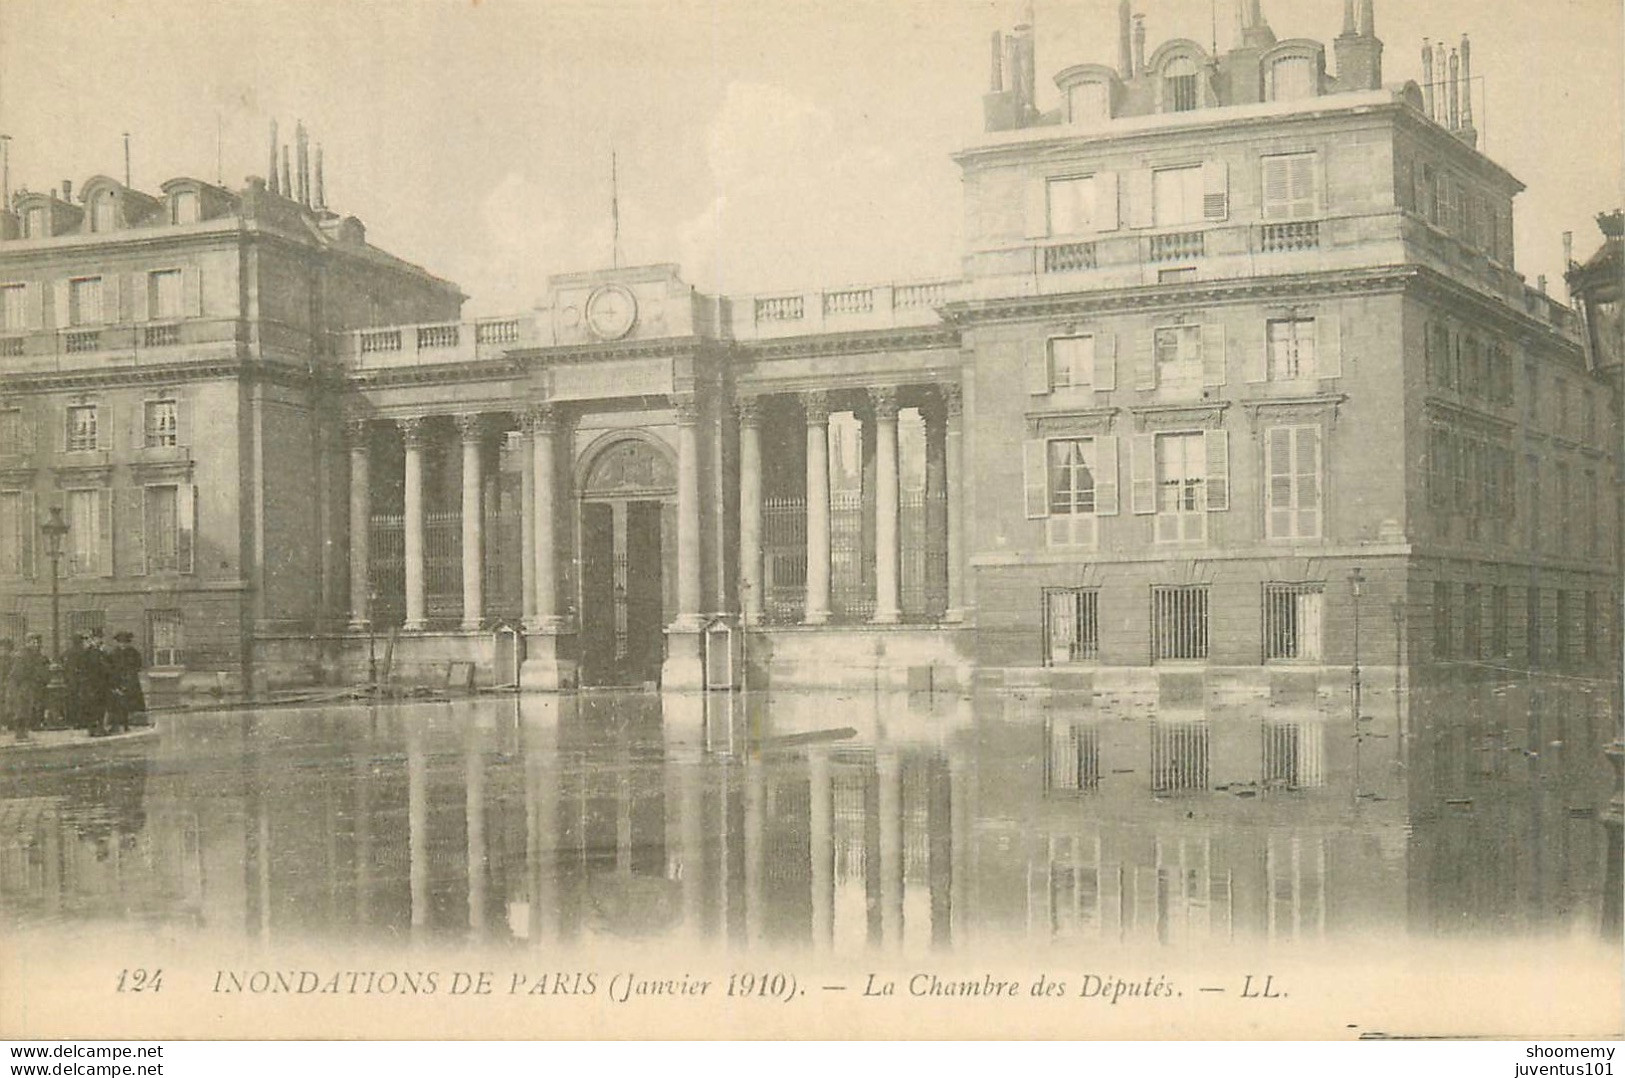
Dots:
{"x": 627, "y": 538}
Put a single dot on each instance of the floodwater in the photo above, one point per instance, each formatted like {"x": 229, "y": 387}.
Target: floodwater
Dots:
{"x": 825, "y": 823}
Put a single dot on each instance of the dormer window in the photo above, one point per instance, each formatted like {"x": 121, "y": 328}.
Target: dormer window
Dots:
{"x": 34, "y": 226}
{"x": 1292, "y": 78}
{"x": 183, "y": 208}
{"x": 104, "y": 212}
{"x": 1179, "y": 85}
{"x": 1089, "y": 104}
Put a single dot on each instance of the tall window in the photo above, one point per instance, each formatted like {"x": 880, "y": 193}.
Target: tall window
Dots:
{"x": 1563, "y": 652}
{"x": 1071, "y": 475}
{"x": 1589, "y": 508}
{"x": 1289, "y": 186}
{"x": 1291, "y": 348}
{"x": 1293, "y": 496}
{"x": 165, "y": 638}
{"x": 1472, "y": 622}
{"x": 1293, "y": 621}
{"x": 104, "y": 212}
{"x": 1532, "y": 627}
{"x": 15, "y": 436}
{"x": 1294, "y": 753}
{"x": 1181, "y": 481}
{"x": 1071, "y": 362}
{"x": 1178, "y": 353}
{"x": 85, "y": 301}
{"x": 1179, "y": 623}
{"x": 1500, "y": 638}
{"x": 184, "y": 209}
{"x": 161, "y": 518}
{"x": 1441, "y": 620}
{"x": 1071, "y": 625}
{"x": 164, "y": 294}
{"x": 1071, "y": 205}
{"x": 14, "y": 307}
{"x": 1179, "y": 86}
{"x": 1074, "y": 756}
{"x": 1179, "y": 756}
{"x": 16, "y": 533}
{"x": 1176, "y": 195}
{"x": 161, "y": 427}
{"x": 82, "y": 428}
{"x": 84, "y": 532}
{"x": 1565, "y": 509}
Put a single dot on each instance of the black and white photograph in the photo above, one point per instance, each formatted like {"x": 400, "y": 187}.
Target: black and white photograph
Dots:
{"x": 723, "y": 520}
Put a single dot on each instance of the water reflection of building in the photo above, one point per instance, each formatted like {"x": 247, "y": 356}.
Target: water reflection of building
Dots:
{"x": 1037, "y": 817}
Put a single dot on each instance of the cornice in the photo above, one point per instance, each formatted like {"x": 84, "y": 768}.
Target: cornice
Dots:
{"x": 910, "y": 338}
{"x": 592, "y": 351}
{"x": 169, "y": 374}
{"x": 1307, "y": 407}
{"x": 500, "y": 369}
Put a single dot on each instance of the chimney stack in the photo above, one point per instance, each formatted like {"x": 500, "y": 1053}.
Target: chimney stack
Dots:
{"x": 1139, "y": 43}
{"x": 996, "y": 79}
{"x": 1469, "y": 133}
{"x": 1368, "y": 18}
{"x": 1125, "y": 40}
{"x": 67, "y": 190}
{"x": 1454, "y": 92}
{"x": 270, "y": 172}
{"x": 302, "y": 155}
{"x": 1348, "y": 18}
{"x": 321, "y": 188}
{"x": 287, "y": 175}
{"x": 1428, "y": 104}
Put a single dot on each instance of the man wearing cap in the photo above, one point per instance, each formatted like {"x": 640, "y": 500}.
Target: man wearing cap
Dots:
{"x": 125, "y": 701}
{"x": 29, "y": 674}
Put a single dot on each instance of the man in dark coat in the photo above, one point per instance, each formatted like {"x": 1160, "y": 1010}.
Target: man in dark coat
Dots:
{"x": 126, "y": 704}
{"x": 86, "y": 670}
{"x": 8, "y": 651}
{"x": 29, "y": 674}
{"x": 72, "y": 664}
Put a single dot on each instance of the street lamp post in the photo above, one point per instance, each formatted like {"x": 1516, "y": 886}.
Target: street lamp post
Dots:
{"x": 55, "y": 530}
{"x": 1356, "y": 581}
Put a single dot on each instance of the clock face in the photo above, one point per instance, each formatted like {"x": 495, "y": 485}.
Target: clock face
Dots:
{"x": 611, "y": 311}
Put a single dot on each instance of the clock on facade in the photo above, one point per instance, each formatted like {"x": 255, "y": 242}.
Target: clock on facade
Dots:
{"x": 611, "y": 311}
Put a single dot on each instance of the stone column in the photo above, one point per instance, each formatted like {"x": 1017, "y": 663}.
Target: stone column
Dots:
{"x": 472, "y": 428}
{"x": 936, "y": 506}
{"x": 360, "y": 523}
{"x": 888, "y": 609}
{"x": 889, "y": 776}
{"x": 527, "y": 521}
{"x": 955, "y": 486}
{"x": 415, "y": 434}
{"x": 688, "y": 512}
{"x": 544, "y": 426}
{"x": 750, "y": 509}
{"x": 821, "y": 847}
{"x": 816, "y": 404}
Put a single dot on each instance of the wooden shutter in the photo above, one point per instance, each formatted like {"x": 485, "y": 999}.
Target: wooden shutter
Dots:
{"x": 1218, "y": 470}
{"x": 110, "y": 298}
{"x": 1145, "y": 359}
{"x": 1215, "y": 190}
{"x": 104, "y": 529}
{"x": 1275, "y": 187}
{"x": 1143, "y": 473}
{"x": 1035, "y": 361}
{"x": 1106, "y": 476}
{"x": 1301, "y": 176}
{"x": 1141, "y": 199}
{"x": 64, "y": 307}
{"x": 1255, "y": 350}
{"x": 142, "y": 304}
{"x": 192, "y": 291}
{"x": 27, "y": 526}
{"x": 1107, "y": 217}
{"x": 1329, "y": 344}
{"x": 138, "y": 425}
{"x": 185, "y": 527}
{"x": 1105, "y": 361}
{"x": 183, "y": 421}
{"x": 34, "y": 306}
{"x": 106, "y": 418}
{"x": 1037, "y": 208}
{"x": 133, "y": 528}
{"x": 1035, "y": 477}
{"x": 1213, "y": 354}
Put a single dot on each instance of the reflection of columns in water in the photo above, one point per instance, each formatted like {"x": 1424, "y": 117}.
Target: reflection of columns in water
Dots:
{"x": 415, "y": 434}
{"x": 821, "y": 844}
{"x": 539, "y": 730}
{"x": 959, "y": 787}
{"x": 889, "y": 776}
{"x": 683, "y": 729}
{"x": 474, "y": 793}
{"x": 755, "y": 809}
{"x": 417, "y": 825}
{"x": 361, "y": 781}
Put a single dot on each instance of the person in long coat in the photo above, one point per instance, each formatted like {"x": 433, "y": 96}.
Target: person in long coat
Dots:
{"x": 8, "y": 651}
{"x": 126, "y": 703}
{"x": 72, "y": 663}
{"x": 30, "y": 672}
{"x": 85, "y": 667}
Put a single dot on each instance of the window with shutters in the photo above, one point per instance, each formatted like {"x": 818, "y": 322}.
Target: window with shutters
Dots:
{"x": 1179, "y": 622}
{"x": 1178, "y": 358}
{"x": 16, "y": 439}
{"x": 161, "y": 528}
{"x": 1289, "y": 186}
{"x": 1071, "y": 204}
{"x": 1071, "y": 362}
{"x": 165, "y": 298}
{"x": 166, "y": 640}
{"x": 1441, "y": 365}
{"x": 1430, "y": 194}
{"x": 1293, "y": 498}
{"x": 1089, "y": 103}
{"x": 85, "y": 301}
{"x": 16, "y": 533}
{"x": 82, "y": 431}
{"x": 84, "y": 540}
{"x": 1291, "y": 344}
{"x": 1176, "y": 196}
{"x": 1531, "y": 464}
{"x": 1565, "y": 508}
{"x": 1071, "y": 625}
{"x": 14, "y": 307}
{"x": 1533, "y": 643}
{"x": 1180, "y": 89}
{"x": 1293, "y": 621}
{"x": 1071, "y": 475}
{"x": 1070, "y": 482}
{"x": 161, "y": 426}
{"x": 1181, "y": 486}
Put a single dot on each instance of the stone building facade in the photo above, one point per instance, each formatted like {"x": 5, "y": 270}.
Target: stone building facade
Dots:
{"x": 1238, "y": 357}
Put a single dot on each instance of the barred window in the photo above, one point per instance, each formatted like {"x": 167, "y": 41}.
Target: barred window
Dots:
{"x": 1294, "y": 753}
{"x": 165, "y": 638}
{"x": 1073, "y": 761}
{"x": 1179, "y": 755}
{"x": 1293, "y": 620}
{"x": 1071, "y": 625}
{"x": 85, "y": 621}
{"x": 1179, "y": 622}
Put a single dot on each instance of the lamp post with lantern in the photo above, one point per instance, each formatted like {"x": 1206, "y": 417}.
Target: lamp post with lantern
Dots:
{"x": 55, "y": 529}
{"x": 1356, "y": 584}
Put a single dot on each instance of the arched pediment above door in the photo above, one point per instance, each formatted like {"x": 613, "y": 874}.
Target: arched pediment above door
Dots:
{"x": 629, "y": 466}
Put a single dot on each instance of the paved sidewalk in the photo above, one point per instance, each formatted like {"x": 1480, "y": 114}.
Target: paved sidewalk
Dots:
{"x": 54, "y": 740}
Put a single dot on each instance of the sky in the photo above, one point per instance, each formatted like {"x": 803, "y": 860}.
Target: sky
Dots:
{"x": 761, "y": 144}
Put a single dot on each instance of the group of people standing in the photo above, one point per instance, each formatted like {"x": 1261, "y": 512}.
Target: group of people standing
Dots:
{"x": 101, "y": 685}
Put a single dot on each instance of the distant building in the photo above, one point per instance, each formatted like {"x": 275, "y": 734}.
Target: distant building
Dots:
{"x": 1229, "y": 329}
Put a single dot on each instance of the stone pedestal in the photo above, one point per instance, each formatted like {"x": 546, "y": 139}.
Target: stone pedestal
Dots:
{"x": 684, "y": 668}
{"x": 548, "y": 666}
